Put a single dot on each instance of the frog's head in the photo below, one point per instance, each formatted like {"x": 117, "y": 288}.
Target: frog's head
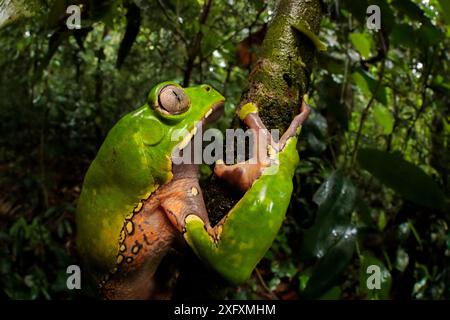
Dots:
{"x": 182, "y": 111}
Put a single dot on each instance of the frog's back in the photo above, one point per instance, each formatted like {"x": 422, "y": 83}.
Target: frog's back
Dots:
{"x": 121, "y": 175}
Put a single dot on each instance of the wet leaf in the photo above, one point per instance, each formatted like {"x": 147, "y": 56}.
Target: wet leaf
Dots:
{"x": 369, "y": 85}
{"x": 407, "y": 179}
{"x": 331, "y": 239}
{"x": 332, "y": 264}
{"x": 384, "y": 118}
{"x": 362, "y": 42}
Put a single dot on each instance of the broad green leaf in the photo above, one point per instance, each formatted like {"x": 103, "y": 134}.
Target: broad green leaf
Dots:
{"x": 406, "y": 178}
{"x": 369, "y": 85}
{"x": 384, "y": 118}
{"x": 362, "y": 42}
{"x": 332, "y": 237}
{"x": 305, "y": 30}
{"x": 332, "y": 264}
{"x": 382, "y": 293}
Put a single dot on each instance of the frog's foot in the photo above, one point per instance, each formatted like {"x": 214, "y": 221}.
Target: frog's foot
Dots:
{"x": 242, "y": 175}
{"x": 296, "y": 123}
{"x": 182, "y": 197}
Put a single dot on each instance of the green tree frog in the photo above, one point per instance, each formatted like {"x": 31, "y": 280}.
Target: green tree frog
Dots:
{"x": 134, "y": 199}
{"x": 244, "y": 235}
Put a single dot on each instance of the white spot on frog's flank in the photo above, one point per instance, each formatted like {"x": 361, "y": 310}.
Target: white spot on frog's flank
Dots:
{"x": 194, "y": 191}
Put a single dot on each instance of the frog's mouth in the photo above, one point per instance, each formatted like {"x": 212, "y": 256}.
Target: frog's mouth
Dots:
{"x": 211, "y": 116}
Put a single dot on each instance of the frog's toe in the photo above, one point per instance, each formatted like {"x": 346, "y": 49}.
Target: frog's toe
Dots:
{"x": 241, "y": 175}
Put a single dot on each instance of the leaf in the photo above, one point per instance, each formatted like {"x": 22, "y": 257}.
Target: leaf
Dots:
{"x": 369, "y": 86}
{"x": 333, "y": 294}
{"x": 429, "y": 34}
{"x": 385, "y": 281}
{"x": 331, "y": 265}
{"x": 304, "y": 29}
{"x": 409, "y": 8}
{"x": 332, "y": 237}
{"x": 330, "y": 63}
{"x": 384, "y": 118}
{"x": 407, "y": 179}
{"x": 362, "y": 42}
{"x": 445, "y": 10}
{"x": 336, "y": 199}
{"x": 404, "y": 35}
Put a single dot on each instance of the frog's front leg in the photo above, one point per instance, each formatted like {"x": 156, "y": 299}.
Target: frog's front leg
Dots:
{"x": 244, "y": 174}
{"x": 149, "y": 233}
{"x": 146, "y": 237}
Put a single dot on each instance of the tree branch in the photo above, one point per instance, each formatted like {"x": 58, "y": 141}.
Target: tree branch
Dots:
{"x": 195, "y": 48}
{"x": 280, "y": 77}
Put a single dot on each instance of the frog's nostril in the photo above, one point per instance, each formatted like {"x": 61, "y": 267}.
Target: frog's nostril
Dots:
{"x": 208, "y": 88}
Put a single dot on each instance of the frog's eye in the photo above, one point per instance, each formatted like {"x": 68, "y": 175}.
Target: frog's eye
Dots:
{"x": 173, "y": 100}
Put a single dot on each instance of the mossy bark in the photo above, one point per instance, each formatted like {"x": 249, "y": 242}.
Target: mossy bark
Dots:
{"x": 280, "y": 77}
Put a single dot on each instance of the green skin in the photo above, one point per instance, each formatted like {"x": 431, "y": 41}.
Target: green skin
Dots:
{"x": 131, "y": 165}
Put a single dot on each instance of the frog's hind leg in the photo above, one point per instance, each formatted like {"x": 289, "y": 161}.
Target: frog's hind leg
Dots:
{"x": 146, "y": 237}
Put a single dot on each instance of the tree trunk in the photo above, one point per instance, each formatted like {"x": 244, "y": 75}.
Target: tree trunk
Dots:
{"x": 280, "y": 77}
